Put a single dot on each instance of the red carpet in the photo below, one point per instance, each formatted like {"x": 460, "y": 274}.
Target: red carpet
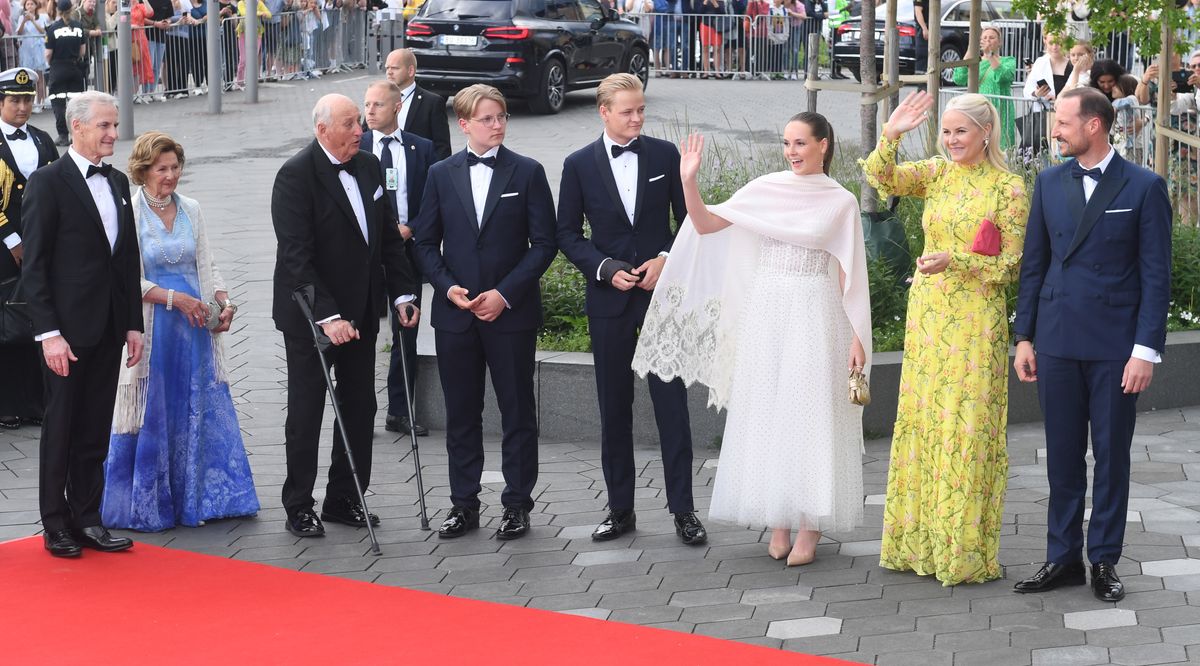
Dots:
{"x": 160, "y": 606}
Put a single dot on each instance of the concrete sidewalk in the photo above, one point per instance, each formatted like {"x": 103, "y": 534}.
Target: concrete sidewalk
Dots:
{"x": 842, "y": 604}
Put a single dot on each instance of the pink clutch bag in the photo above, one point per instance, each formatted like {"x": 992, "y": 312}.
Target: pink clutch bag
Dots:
{"x": 987, "y": 239}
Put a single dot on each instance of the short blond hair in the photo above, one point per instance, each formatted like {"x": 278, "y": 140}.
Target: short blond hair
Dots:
{"x": 613, "y": 84}
{"x": 467, "y": 99}
{"x": 146, "y": 151}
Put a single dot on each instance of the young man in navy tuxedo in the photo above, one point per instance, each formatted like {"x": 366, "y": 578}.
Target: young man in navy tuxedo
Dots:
{"x": 1095, "y": 284}
{"x": 484, "y": 237}
{"x": 404, "y": 161}
{"x": 626, "y": 185}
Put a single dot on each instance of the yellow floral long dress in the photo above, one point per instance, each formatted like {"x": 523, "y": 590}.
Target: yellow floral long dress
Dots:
{"x": 949, "y": 458}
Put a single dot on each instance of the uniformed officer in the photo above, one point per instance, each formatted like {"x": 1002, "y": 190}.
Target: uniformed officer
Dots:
{"x": 66, "y": 46}
{"x": 23, "y": 148}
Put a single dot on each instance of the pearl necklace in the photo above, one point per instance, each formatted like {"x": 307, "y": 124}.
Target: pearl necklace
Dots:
{"x": 160, "y": 204}
{"x": 162, "y": 250}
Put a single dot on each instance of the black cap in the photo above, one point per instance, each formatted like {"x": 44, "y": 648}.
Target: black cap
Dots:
{"x": 64, "y": 5}
{"x": 18, "y": 81}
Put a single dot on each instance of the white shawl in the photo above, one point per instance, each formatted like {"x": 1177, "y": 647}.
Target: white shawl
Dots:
{"x": 691, "y": 328}
{"x": 130, "y": 409}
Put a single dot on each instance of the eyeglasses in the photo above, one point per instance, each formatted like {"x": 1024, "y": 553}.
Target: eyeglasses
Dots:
{"x": 498, "y": 119}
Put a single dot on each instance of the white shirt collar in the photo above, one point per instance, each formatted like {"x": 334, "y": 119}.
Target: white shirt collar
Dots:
{"x": 328, "y": 154}
{"x": 81, "y": 162}
{"x": 609, "y": 143}
{"x": 380, "y": 135}
{"x": 1103, "y": 165}
{"x": 407, "y": 92}
{"x": 490, "y": 153}
{"x": 9, "y": 129}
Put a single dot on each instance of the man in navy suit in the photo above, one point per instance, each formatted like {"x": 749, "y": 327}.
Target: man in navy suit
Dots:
{"x": 485, "y": 235}
{"x": 404, "y": 160}
{"x": 1093, "y": 298}
{"x": 626, "y": 185}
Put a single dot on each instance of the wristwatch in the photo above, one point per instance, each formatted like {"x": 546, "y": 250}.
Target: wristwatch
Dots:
{"x": 229, "y": 305}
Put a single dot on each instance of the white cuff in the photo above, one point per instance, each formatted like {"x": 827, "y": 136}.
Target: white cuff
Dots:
{"x": 12, "y": 240}
{"x": 329, "y": 319}
{"x": 47, "y": 336}
{"x": 1146, "y": 354}
{"x": 600, "y": 267}
{"x": 506, "y": 303}
{"x": 408, "y": 298}
{"x": 664, "y": 253}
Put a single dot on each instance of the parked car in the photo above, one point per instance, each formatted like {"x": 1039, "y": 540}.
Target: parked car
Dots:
{"x": 532, "y": 49}
{"x": 956, "y": 29}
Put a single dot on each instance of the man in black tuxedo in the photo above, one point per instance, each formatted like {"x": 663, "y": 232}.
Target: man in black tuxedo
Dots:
{"x": 335, "y": 232}
{"x": 626, "y": 185}
{"x": 23, "y": 148}
{"x": 484, "y": 237}
{"x": 81, "y": 277}
{"x": 404, "y": 159}
{"x": 423, "y": 112}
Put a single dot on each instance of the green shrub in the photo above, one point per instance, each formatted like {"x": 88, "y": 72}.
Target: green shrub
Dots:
{"x": 1185, "y": 279}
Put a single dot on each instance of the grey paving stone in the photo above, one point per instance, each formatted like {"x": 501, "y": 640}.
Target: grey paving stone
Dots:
{"x": 788, "y": 610}
{"x": 775, "y": 595}
{"x": 928, "y": 658}
{"x": 1084, "y": 655}
{"x": 821, "y": 645}
{"x": 881, "y": 624}
{"x": 647, "y": 614}
{"x": 606, "y": 557}
{"x": 712, "y": 597}
{"x": 769, "y": 579}
{"x": 717, "y": 613}
{"x": 944, "y": 624}
{"x": 1169, "y": 617}
{"x": 848, "y": 592}
{"x": 623, "y": 600}
{"x": 733, "y": 629}
{"x": 1143, "y": 655}
{"x": 1022, "y": 622}
{"x": 594, "y": 613}
{"x": 805, "y": 628}
{"x": 546, "y": 573}
{"x": 555, "y": 586}
{"x": 557, "y": 602}
{"x": 704, "y": 581}
{"x": 972, "y": 640}
{"x": 895, "y": 642}
{"x": 993, "y": 657}
{"x": 940, "y": 606}
{"x": 912, "y": 591}
{"x": 601, "y": 571}
{"x": 626, "y": 584}
{"x": 1015, "y": 603}
{"x": 487, "y": 591}
{"x": 480, "y": 575}
{"x": 1186, "y": 635}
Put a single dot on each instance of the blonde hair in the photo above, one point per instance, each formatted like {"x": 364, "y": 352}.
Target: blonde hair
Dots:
{"x": 469, "y": 98}
{"x": 1087, "y": 46}
{"x": 999, "y": 35}
{"x": 982, "y": 113}
{"x": 146, "y": 151}
{"x": 613, "y": 84}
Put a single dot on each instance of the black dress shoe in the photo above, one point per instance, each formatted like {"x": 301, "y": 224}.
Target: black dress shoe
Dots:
{"x": 400, "y": 424}
{"x": 616, "y": 524}
{"x": 1105, "y": 583}
{"x": 347, "y": 512}
{"x": 1052, "y": 576}
{"x": 98, "y": 538}
{"x": 60, "y": 543}
{"x": 305, "y": 524}
{"x": 513, "y": 524}
{"x": 10, "y": 422}
{"x": 690, "y": 529}
{"x": 458, "y": 522}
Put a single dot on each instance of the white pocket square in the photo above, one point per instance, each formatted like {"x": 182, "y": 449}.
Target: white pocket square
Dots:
{"x": 378, "y": 193}
{"x": 509, "y": 194}
{"x": 658, "y": 177}
{"x": 1119, "y": 210}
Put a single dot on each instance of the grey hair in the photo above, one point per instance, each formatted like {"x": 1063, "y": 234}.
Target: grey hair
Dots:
{"x": 81, "y": 107}
{"x": 322, "y": 113}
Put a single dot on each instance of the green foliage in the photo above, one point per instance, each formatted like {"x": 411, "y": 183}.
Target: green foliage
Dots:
{"x": 566, "y": 327}
{"x": 1185, "y": 279}
{"x": 889, "y": 302}
{"x": 1142, "y": 18}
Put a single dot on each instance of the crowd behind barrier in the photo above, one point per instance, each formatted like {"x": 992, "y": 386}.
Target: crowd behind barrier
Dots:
{"x": 754, "y": 45}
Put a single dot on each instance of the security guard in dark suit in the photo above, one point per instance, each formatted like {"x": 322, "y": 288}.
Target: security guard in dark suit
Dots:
{"x": 23, "y": 148}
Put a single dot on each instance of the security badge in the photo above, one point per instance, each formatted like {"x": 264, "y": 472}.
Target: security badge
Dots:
{"x": 391, "y": 178}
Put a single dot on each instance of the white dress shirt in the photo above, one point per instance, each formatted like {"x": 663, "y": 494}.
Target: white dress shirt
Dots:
{"x": 400, "y": 195}
{"x": 406, "y": 102}
{"x": 1089, "y": 186}
{"x": 26, "y": 155}
{"x": 625, "y": 173}
{"x": 481, "y": 180}
{"x": 102, "y": 194}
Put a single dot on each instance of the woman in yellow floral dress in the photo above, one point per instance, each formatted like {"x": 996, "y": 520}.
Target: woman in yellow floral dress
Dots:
{"x": 949, "y": 462}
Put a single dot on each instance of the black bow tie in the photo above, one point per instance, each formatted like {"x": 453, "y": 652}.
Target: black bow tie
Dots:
{"x": 103, "y": 170}
{"x": 634, "y": 146}
{"x": 17, "y": 135}
{"x": 1078, "y": 171}
{"x": 348, "y": 167}
{"x": 473, "y": 159}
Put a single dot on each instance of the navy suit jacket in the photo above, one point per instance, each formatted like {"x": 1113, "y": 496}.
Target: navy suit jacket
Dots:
{"x": 1096, "y": 279}
{"x": 418, "y": 157}
{"x": 589, "y": 190}
{"x": 508, "y": 252}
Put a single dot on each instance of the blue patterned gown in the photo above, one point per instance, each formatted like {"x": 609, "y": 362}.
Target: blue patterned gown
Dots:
{"x": 188, "y": 463}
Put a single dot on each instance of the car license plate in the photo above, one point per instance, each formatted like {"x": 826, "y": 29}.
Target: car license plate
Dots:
{"x": 460, "y": 40}
{"x": 852, "y": 35}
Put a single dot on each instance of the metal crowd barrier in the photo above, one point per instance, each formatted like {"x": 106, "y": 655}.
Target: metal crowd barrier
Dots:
{"x": 1023, "y": 41}
{"x": 727, "y": 45}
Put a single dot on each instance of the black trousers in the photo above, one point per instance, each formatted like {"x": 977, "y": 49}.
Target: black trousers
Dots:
{"x": 66, "y": 78}
{"x": 75, "y": 434}
{"x": 404, "y": 341}
{"x": 354, "y": 370}
{"x": 462, "y": 360}
{"x": 177, "y": 63}
{"x": 613, "y": 342}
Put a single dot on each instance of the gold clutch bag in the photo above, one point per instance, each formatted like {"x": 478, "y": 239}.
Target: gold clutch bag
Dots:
{"x": 860, "y": 392}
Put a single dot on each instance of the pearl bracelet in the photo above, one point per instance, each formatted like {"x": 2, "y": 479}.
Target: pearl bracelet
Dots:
{"x": 170, "y": 300}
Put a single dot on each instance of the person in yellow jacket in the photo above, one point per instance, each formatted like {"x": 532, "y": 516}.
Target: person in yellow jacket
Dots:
{"x": 263, "y": 15}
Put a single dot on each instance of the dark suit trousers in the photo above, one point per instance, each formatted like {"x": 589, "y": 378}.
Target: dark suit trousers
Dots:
{"x": 404, "y": 341}
{"x": 613, "y": 343}
{"x": 462, "y": 359}
{"x": 354, "y": 369}
{"x": 75, "y": 434}
{"x": 1073, "y": 394}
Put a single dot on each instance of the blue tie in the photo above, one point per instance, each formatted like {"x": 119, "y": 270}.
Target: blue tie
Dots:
{"x": 385, "y": 161}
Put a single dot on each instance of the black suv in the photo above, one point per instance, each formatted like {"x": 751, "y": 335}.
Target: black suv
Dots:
{"x": 956, "y": 34}
{"x": 533, "y": 49}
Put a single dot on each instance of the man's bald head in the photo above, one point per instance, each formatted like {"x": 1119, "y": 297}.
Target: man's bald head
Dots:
{"x": 401, "y": 67}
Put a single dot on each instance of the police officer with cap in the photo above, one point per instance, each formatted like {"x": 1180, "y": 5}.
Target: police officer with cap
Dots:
{"x": 66, "y": 46}
{"x": 23, "y": 148}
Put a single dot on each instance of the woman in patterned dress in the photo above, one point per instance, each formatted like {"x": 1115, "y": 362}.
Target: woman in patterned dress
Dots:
{"x": 949, "y": 463}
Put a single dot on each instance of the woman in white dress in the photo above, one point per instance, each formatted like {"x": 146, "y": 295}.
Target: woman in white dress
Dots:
{"x": 764, "y": 299}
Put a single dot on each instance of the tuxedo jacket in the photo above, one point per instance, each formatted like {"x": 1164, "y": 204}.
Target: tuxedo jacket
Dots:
{"x": 1096, "y": 278}
{"x": 320, "y": 243}
{"x": 74, "y": 282}
{"x": 427, "y": 118}
{"x": 11, "y": 223}
{"x": 588, "y": 190}
{"x": 508, "y": 252}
